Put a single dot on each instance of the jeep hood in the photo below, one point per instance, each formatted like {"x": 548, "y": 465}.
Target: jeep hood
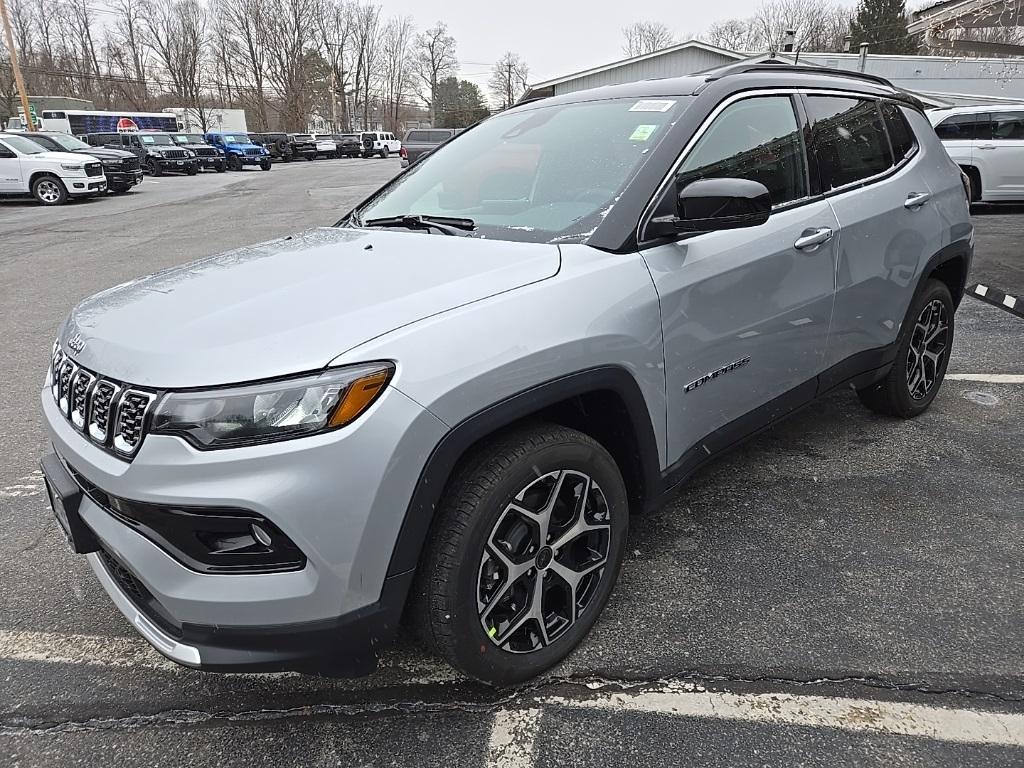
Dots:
{"x": 290, "y": 305}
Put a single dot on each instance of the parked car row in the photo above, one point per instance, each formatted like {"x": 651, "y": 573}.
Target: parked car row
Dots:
{"x": 315, "y": 146}
{"x": 987, "y": 142}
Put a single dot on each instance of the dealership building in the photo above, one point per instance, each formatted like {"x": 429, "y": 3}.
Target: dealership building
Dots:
{"x": 937, "y": 80}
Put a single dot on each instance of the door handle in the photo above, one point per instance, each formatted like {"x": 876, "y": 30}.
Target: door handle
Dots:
{"x": 916, "y": 199}
{"x": 987, "y": 146}
{"x": 810, "y": 239}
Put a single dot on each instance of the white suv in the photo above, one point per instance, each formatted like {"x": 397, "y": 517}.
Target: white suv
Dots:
{"x": 379, "y": 143}
{"x": 987, "y": 142}
{"x": 50, "y": 177}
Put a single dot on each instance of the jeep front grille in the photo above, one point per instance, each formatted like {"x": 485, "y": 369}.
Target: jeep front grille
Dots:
{"x": 175, "y": 154}
{"x": 252, "y": 153}
{"x": 109, "y": 413}
{"x": 205, "y": 151}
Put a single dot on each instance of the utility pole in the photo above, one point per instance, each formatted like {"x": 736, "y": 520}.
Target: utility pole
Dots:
{"x": 861, "y": 65}
{"x": 334, "y": 103}
{"x": 18, "y": 79}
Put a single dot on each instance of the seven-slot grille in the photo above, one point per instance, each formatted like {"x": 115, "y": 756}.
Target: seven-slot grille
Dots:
{"x": 111, "y": 414}
{"x": 205, "y": 151}
{"x": 253, "y": 152}
{"x": 176, "y": 154}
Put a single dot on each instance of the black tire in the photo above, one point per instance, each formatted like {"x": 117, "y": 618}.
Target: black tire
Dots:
{"x": 234, "y": 163}
{"x": 154, "y": 168}
{"x": 49, "y": 190}
{"x": 905, "y": 391}
{"x": 192, "y": 170}
{"x": 219, "y": 167}
{"x": 475, "y": 505}
{"x": 265, "y": 165}
{"x": 384, "y": 153}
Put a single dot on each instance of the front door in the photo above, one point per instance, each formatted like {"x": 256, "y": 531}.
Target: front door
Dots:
{"x": 10, "y": 170}
{"x": 745, "y": 312}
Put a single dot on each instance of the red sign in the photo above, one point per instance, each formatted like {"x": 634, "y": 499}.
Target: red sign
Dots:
{"x": 127, "y": 125}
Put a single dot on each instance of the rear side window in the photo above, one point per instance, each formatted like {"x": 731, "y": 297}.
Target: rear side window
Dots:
{"x": 849, "y": 139}
{"x": 439, "y": 136}
{"x": 417, "y": 136}
{"x": 756, "y": 139}
{"x": 965, "y": 128}
{"x": 901, "y": 136}
{"x": 1007, "y": 126}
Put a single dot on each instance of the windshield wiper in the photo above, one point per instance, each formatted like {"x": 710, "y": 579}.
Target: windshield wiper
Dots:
{"x": 450, "y": 225}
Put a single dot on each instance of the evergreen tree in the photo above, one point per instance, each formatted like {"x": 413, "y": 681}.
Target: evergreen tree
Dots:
{"x": 460, "y": 103}
{"x": 883, "y": 25}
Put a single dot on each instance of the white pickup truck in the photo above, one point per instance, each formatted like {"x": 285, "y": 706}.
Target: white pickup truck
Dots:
{"x": 51, "y": 178}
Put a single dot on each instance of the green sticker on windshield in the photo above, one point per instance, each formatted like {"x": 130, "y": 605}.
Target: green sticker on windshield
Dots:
{"x": 643, "y": 132}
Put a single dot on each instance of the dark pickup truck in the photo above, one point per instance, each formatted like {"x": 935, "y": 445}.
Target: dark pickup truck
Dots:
{"x": 423, "y": 141}
{"x": 348, "y": 144}
{"x": 303, "y": 145}
{"x": 120, "y": 167}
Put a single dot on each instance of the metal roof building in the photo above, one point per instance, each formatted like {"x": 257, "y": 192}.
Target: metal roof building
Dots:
{"x": 939, "y": 80}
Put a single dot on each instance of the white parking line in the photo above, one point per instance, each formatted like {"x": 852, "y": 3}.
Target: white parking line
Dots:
{"x": 512, "y": 735}
{"x": 988, "y": 378}
{"x": 892, "y": 717}
{"x": 62, "y": 648}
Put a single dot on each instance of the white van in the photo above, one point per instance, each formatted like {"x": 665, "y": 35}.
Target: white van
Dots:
{"x": 987, "y": 142}
{"x": 379, "y": 143}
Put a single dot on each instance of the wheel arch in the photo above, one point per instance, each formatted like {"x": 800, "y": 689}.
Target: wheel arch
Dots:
{"x": 974, "y": 174}
{"x": 951, "y": 266}
{"x": 605, "y": 403}
{"x": 35, "y": 175}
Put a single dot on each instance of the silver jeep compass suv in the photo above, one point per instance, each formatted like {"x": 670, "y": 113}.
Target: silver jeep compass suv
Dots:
{"x": 447, "y": 406}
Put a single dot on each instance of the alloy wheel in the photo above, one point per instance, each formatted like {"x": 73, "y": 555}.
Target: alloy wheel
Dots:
{"x": 928, "y": 345}
{"x": 543, "y": 561}
{"x": 48, "y": 191}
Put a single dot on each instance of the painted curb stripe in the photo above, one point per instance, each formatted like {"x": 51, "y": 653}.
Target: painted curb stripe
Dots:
{"x": 997, "y": 298}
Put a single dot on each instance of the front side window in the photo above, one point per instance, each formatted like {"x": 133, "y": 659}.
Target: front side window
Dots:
{"x": 756, "y": 139}
{"x": 849, "y": 139}
{"x": 1007, "y": 126}
{"x": 537, "y": 175}
{"x": 965, "y": 128}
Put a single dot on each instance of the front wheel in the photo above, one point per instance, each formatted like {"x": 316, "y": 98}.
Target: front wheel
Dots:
{"x": 234, "y": 163}
{"x": 49, "y": 190}
{"x": 219, "y": 167}
{"x": 155, "y": 168}
{"x": 192, "y": 170}
{"x": 384, "y": 153}
{"x": 523, "y": 553}
{"x": 265, "y": 165}
{"x": 921, "y": 357}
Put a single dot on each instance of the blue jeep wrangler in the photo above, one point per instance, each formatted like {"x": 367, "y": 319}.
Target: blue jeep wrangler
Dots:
{"x": 239, "y": 150}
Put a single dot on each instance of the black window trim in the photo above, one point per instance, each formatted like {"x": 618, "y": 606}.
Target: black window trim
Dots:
{"x": 799, "y": 95}
{"x": 802, "y": 126}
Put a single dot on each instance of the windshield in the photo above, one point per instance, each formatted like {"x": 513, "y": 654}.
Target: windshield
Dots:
{"x": 69, "y": 143}
{"x": 187, "y": 138}
{"x": 22, "y": 145}
{"x": 162, "y": 140}
{"x": 232, "y": 138}
{"x": 544, "y": 174}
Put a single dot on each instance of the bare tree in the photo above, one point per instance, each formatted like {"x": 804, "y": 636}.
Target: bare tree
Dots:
{"x": 435, "y": 60}
{"x": 644, "y": 37}
{"x": 336, "y": 24}
{"x": 508, "y": 79}
{"x": 177, "y": 36}
{"x": 128, "y": 53}
{"x": 396, "y": 68}
{"x": 291, "y": 34}
{"x": 820, "y": 25}
{"x": 733, "y": 34}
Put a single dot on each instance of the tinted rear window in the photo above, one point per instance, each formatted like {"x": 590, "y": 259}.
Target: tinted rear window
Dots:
{"x": 1007, "y": 126}
{"x": 849, "y": 139}
{"x": 900, "y": 134}
{"x": 417, "y": 136}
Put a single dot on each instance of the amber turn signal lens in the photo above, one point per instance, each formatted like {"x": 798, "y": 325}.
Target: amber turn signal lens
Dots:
{"x": 358, "y": 397}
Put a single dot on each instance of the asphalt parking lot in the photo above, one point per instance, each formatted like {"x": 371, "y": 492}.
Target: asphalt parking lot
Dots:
{"x": 843, "y": 589}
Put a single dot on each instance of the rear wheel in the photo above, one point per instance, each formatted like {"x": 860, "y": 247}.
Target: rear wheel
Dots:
{"x": 921, "y": 357}
{"x": 523, "y": 554}
{"x": 385, "y": 152}
{"x": 49, "y": 190}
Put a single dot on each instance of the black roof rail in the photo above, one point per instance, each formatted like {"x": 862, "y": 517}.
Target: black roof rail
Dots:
{"x": 779, "y": 66}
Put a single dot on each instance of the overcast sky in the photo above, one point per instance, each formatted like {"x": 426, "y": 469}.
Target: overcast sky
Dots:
{"x": 556, "y": 37}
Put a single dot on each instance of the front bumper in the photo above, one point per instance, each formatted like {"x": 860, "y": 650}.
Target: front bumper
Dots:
{"x": 89, "y": 185}
{"x": 346, "y": 524}
{"x": 211, "y": 162}
{"x": 252, "y": 159}
{"x": 167, "y": 164}
{"x": 123, "y": 179}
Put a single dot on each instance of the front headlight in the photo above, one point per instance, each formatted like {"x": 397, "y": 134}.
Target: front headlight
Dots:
{"x": 111, "y": 163}
{"x": 274, "y": 410}
{"x": 71, "y": 167}
{"x": 190, "y": 153}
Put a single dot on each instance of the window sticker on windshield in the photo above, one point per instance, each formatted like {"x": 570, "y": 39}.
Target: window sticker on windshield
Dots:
{"x": 652, "y": 105}
{"x": 643, "y": 132}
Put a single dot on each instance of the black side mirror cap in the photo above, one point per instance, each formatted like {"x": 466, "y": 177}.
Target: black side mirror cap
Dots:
{"x": 708, "y": 205}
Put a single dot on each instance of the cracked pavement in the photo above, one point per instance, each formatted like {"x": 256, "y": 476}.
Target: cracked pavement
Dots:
{"x": 839, "y": 558}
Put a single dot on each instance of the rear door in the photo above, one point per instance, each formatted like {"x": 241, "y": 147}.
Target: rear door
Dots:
{"x": 958, "y": 134}
{"x": 890, "y": 225}
{"x": 10, "y": 169}
{"x": 1004, "y": 153}
{"x": 746, "y": 311}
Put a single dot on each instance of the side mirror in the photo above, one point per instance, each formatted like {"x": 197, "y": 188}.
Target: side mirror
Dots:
{"x": 708, "y": 205}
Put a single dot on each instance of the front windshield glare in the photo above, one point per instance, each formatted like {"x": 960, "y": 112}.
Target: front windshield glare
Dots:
{"x": 543, "y": 174}
{"x": 22, "y": 145}
{"x": 70, "y": 143}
